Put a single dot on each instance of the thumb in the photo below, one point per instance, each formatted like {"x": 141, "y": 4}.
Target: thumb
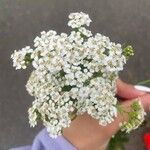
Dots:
{"x": 145, "y": 100}
{"x": 127, "y": 91}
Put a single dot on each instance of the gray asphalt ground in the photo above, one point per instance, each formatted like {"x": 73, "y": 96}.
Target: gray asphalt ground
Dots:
{"x": 124, "y": 21}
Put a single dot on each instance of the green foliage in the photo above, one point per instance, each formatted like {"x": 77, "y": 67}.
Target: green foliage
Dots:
{"x": 67, "y": 88}
{"x": 145, "y": 82}
{"x": 118, "y": 141}
{"x": 28, "y": 59}
{"x": 128, "y": 51}
{"x": 38, "y": 115}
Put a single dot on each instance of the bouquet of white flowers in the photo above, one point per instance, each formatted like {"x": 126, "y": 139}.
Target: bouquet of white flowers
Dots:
{"x": 73, "y": 74}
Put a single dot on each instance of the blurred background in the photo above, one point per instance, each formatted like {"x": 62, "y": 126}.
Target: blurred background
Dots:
{"x": 124, "y": 21}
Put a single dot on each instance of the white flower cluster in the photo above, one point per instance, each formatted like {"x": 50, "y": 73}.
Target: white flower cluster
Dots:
{"x": 79, "y": 19}
{"x": 20, "y": 57}
{"x": 73, "y": 74}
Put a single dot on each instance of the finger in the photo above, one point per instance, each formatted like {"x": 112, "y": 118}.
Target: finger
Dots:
{"x": 127, "y": 91}
{"x": 145, "y": 101}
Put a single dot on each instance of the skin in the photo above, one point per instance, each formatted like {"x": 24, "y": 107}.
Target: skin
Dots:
{"x": 86, "y": 134}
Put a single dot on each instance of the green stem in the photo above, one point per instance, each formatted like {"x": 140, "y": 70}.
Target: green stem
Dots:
{"x": 144, "y": 82}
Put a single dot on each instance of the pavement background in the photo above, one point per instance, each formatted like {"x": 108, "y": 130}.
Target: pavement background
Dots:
{"x": 124, "y": 21}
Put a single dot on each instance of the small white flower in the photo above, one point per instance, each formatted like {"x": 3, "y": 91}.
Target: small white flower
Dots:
{"x": 85, "y": 32}
{"x": 19, "y": 57}
{"x": 79, "y": 19}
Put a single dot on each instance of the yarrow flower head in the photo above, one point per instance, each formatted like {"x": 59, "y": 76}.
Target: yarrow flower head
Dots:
{"x": 21, "y": 58}
{"x": 72, "y": 74}
{"x": 79, "y": 19}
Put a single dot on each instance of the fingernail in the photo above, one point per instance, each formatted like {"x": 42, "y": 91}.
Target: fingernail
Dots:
{"x": 142, "y": 88}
